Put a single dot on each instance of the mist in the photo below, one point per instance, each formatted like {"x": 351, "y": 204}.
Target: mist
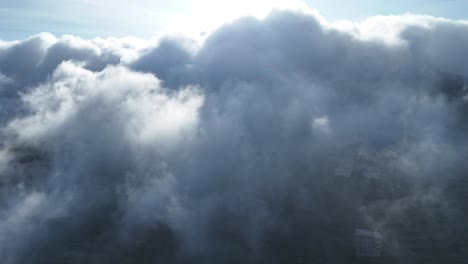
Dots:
{"x": 270, "y": 141}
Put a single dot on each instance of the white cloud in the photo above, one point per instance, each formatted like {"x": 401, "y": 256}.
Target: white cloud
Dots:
{"x": 321, "y": 125}
{"x": 179, "y": 144}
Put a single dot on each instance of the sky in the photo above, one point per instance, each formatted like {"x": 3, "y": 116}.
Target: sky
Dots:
{"x": 273, "y": 138}
{"x": 146, "y": 18}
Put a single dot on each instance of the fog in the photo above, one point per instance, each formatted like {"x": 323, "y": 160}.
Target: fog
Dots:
{"x": 271, "y": 141}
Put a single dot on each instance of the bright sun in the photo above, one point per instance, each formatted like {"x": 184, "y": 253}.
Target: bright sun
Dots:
{"x": 206, "y": 15}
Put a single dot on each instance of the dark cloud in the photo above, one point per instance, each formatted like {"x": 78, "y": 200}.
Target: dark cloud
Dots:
{"x": 270, "y": 142}
{"x": 170, "y": 60}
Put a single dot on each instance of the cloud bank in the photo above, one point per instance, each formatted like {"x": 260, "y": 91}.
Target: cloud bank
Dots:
{"x": 269, "y": 142}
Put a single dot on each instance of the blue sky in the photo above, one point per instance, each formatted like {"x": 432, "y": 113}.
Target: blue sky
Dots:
{"x": 144, "y": 18}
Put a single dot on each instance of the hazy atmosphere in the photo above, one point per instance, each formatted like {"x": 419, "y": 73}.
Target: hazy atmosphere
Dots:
{"x": 216, "y": 132}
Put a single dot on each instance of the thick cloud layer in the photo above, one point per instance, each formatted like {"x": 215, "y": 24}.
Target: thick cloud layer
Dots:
{"x": 270, "y": 142}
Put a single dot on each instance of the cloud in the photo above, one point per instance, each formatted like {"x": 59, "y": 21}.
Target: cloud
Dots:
{"x": 170, "y": 60}
{"x": 125, "y": 150}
